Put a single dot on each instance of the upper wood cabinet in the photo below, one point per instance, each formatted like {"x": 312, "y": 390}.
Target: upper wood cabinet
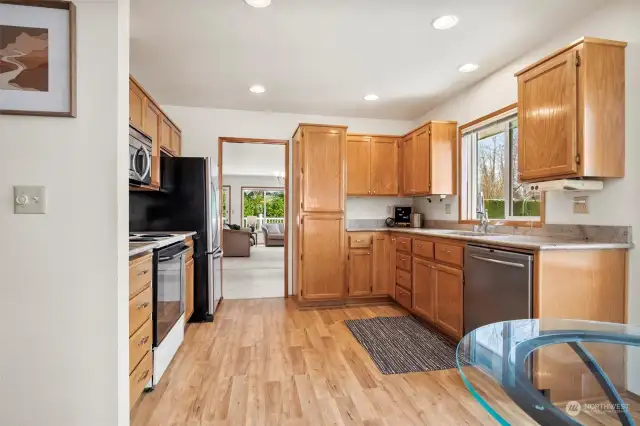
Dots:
{"x": 323, "y": 168}
{"x": 429, "y": 159}
{"x": 322, "y": 257}
{"x": 152, "y": 119}
{"x": 372, "y": 165}
{"x": 571, "y": 113}
{"x": 136, "y": 105}
{"x": 146, "y": 116}
{"x": 358, "y": 165}
{"x": 360, "y": 273}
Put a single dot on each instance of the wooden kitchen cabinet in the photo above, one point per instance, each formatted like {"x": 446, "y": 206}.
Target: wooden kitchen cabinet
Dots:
{"x": 429, "y": 159}
{"x": 189, "y": 270}
{"x": 360, "y": 273}
{"x": 176, "y": 142}
{"x": 322, "y": 259}
{"x": 136, "y": 105}
{"x": 323, "y": 169}
{"x": 381, "y": 268}
{"x": 448, "y": 296}
{"x": 372, "y": 165}
{"x": 358, "y": 165}
{"x": 424, "y": 288}
{"x": 571, "y": 113}
{"x": 152, "y": 119}
{"x": 165, "y": 135}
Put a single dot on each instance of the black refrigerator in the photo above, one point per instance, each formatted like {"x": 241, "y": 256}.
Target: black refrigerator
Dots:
{"x": 187, "y": 201}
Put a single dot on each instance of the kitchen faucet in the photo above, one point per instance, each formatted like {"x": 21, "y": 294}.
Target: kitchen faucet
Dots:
{"x": 481, "y": 213}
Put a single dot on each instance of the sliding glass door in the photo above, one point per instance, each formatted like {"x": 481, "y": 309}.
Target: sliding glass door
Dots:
{"x": 261, "y": 206}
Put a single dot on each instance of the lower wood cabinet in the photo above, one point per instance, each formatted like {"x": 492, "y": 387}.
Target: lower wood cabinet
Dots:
{"x": 424, "y": 288}
{"x": 449, "y": 294}
{"x": 360, "y": 283}
{"x": 381, "y": 269}
{"x": 189, "y": 269}
{"x": 322, "y": 257}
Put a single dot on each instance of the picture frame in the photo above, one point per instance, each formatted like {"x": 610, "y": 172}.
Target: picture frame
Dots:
{"x": 38, "y": 58}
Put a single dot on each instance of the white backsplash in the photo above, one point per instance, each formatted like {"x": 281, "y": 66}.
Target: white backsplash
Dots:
{"x": 374, "y": 207}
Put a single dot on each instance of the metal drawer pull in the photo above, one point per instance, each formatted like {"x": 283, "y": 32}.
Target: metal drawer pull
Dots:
{"x": 359, "y": 241}
{"x": 145, "y": 272}
{"x": 500, "y": 262}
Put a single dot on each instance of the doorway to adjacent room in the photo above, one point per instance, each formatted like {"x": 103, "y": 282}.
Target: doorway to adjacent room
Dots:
{"x": 253, "y": 176}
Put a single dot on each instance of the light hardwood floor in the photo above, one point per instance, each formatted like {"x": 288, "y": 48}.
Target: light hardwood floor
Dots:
{"x": 264, "y": 362}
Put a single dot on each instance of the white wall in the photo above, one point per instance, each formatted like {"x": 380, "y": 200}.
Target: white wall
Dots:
{"x": 253, "y": 159}
{"x": 619, "y": 202}
{"x": 237, "y": 182}
{"x": 64, "y": 275}
{"x": 201, "y": 128}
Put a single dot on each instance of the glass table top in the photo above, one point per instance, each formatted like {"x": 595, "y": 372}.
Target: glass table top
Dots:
{"x": 553, "y": 371}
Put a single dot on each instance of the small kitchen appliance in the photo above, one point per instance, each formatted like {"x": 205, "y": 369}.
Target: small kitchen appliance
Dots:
{"x": 416, "y": 220}
{"x": 402, "y": 216}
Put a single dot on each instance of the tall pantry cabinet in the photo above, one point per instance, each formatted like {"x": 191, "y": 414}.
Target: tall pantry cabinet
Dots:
{"x": 319, "y": 190}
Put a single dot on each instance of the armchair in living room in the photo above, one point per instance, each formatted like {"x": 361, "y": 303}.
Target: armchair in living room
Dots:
{"x": 273, "y": 234}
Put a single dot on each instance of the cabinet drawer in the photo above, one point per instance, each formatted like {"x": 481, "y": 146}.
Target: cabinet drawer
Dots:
{"x": 403, "y": 278}
{"x": 140, "y": 309}
{"x": 403, "y": 244}
{"x": 140, "y": 274}
{"x": 139, "y": 378}
{"x": 360, "y": 240}
{"x": 449, "y": 254}
{"x": 423, "y": 248}
{"x": 403, "y": 297}
{"x": 403, "y": 262}
{"x": 140, "y": 344}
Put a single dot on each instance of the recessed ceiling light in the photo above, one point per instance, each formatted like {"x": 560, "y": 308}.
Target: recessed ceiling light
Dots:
{"x": 256, "y": 88}
{"x": 371, "y": 97}
{"x": 445, "y": 22}
{"x": 468, "y": 68}
{"x": 258, "y": 3}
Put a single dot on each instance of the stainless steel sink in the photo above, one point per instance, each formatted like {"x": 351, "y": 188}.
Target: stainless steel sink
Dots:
{"x": 466, "y": 233}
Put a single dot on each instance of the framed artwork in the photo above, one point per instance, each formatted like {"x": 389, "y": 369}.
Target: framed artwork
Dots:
{"x": 37, "y": 58}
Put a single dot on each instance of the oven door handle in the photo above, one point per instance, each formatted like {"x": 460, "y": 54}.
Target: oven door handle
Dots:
{"x": 180, "y": 253}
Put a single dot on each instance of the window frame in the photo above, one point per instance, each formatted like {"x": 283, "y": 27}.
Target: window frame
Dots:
{"x": 226, "y": 190}
{"x": 261, "y": 189}
{"x": 465, "y": 170}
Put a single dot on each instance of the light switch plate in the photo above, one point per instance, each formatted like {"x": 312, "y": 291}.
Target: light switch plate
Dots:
{"x": 581, "y": 205}
{"x": 29, "y": 200}
{"x": 447, "y": 208}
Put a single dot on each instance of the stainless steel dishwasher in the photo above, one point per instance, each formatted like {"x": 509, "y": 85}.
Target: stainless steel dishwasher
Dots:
{"x": 497, "y": 286}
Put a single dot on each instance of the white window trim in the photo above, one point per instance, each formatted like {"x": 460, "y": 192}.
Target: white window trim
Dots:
{"x": 469, "y": 186}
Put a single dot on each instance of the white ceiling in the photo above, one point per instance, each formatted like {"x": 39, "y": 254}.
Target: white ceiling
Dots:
{"x": 252, "y": 159}
{"x": 323, "y": 56}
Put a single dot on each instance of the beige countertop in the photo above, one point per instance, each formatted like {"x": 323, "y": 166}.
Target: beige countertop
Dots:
{"x": 511, "y": 240}
{"x": 143, "y": 247}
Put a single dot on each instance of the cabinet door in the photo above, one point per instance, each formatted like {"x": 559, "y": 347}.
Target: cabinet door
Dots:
{"x": 449, "y": 300}
{"x": 323, "y": 156}
{"x": 547, "y": 119}
{"x": 392, "y": 267}
{"x": 443, "y": 158}
{"x": 360, "y": 273}
{"x": 381, "y": 269}
{"x": 188, "y": 291}
{"x": 136, "y": 105}
{"x": 424, "y": 288}
{"x": 407, "y": 166}
{"x": 165, "y": 134}
{"x": 358, "y": 165}
{"x": 322, "y": 257}
{"x": 176, "y": 142}
{"x": 152, "y": 117}
{"x": 421, "y": 154}
{"x": 384, "y": 166}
